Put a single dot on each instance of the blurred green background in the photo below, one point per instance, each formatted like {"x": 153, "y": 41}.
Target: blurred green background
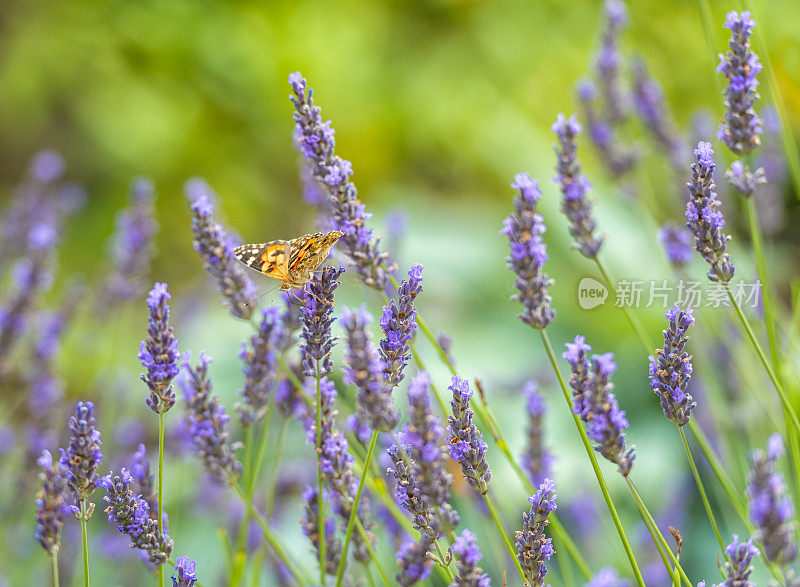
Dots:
{"x": 437, "y": 104}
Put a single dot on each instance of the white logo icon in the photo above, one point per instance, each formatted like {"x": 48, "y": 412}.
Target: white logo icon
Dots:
{"x": 591, "y": 293}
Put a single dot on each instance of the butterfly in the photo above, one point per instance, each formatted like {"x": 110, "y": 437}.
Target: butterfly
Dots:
{"x": 291, "y": 262}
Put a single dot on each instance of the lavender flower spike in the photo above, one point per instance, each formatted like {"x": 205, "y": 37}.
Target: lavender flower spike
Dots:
{"x": 467, "y": 554}
{"x": 145, "y": 479}
{"x": 260, "y": 366}
{"x": 309, "y": 524}
{"x": 608, "y": 59}
{"x": 365, "y": 370}
{"x": 159, "y": 352}
{"x": 677, "y": 243}
{"x": 216, "y": 250}
{"x": 50, "y": 503}
{"x": 741, "y": 125}
{"x": 465, "y": 441}
{"x": 206, "y": 419}
{"x": 596, "y": 405}
{"x": 185, "y": 572}
{"x": 705, "y": 220}
{"x": 315, "y": 141}
{"x": 524, "y": 228}
{"x": 407, "y": 492}
{"x": 770, "y": 508}
{"x": 671, "y": 368}
{"x": 131, "y": 514}
{"x": 738, "y": 569}
{"x": 537, "y": 460}
{"x": 83, "y": 457}
{"x": 533, "y": 548}
{"x": 574, "y": 186}
{"x": 398, "y": 322}
{"x": 316, "y": 319}
{"x": 412, "y": 558}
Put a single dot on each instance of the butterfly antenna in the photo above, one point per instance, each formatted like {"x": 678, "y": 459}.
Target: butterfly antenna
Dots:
{"x": 261, "y": 296}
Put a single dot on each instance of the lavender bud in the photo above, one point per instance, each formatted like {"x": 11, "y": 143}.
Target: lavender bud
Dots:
{"x": 771, "y": 509}
{"x": 316, "y": 318}
{"x": 596, "y": 405}
{"x": 467, "y": 554}
{"x": 309, "y": 524}
{"x": 705, "y": 220}
{"x": 573, "y": 184}
{"x": 738, "y": 568}
{"x": 159, "y": 352}
{"x": 144, "y": 478}
{"x": 185, "y": 569}
{"x": 365, "y": 370}
{"x": 399, "y": 323}
{"x": 407, "y": 493}
{"x": 207, "y": 419}
{"x": 536, "y": 461}
{"x": 465, "y": 441}
{"x": 677, "y": 243}
{"x": 83, "y": 457}
{"x": 533, "y": 548}
{"x": 216, "y": 250}
{"x": 50, "y": 503}
{"x": 131, "y": 515}
{"x": 524, "y": 228}
{"x": 412, "y": 558}
{"x": 671, "y": 368}
{"x": 741, "y": 126}
{"x": 746, "y": 182}
{"x": 260, "y": 366}
{"x": 315, "y": 141}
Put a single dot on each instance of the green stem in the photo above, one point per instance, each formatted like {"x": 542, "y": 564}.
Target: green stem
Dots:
{"x": 595, "y": 466}
{"x": 269, "y": 536}
{"x": 262, "y": 447}
{"x": 354, "y": 511}
{"x": 272, "y": 477}
{"x": 708, "y": 29}
{"x": 160, "y": 488}
{"x": 564, "y": 566}
{"x": 320, "y": 500}
{"x": 368, "y": 543}
{"x": 85, "y": 540}
{"x": 702, "y": 490}
{"x": 633, "y": 320}
{"x": 54, "y": 568}
{"x": 504, "y": 536}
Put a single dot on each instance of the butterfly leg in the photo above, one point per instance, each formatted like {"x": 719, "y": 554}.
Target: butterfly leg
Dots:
{"x": 316, "y": 297}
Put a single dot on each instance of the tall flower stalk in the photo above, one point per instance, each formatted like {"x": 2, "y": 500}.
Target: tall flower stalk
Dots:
{"x": 533, "y": 548}
{"x": 51, "y": 508}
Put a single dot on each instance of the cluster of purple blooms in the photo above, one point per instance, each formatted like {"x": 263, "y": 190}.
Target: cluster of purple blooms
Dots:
{"x": 316, "y": 318}
{"x": 738, "y": 567}
{"x": 465, "y": 441}
{"x": 398, "y": 324}
{"x": 536, "y": 461}
{"x": 259, "y": 364}
{"x": 533, "y": 548}
{"x": 159, "y": 352}
{"x": 671, "y": 368}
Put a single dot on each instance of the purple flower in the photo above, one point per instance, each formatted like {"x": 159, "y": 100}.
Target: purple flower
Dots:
{"x": 159, "y": 352}
{"x": 677, "y": 243}
{"x": 741, "y": 126}
{"x": 399, "y": 323}
{"x": 131, "y": 514}
{"x": 216, "y": 250}
{"x": 533, "y": 548}
{"x": 671, "y": 368}
{"x": 608, "y": 61}
{"x": 315, "y": 141}
{"x": 770, "y": 508}
{"x": 536, "y": 461}
{"x": 316, "y": 317}
{"x": 745, "y": 181}
{"x": 595, "y": 403}
{"x": 144, "y": 479}
{"x": 185, "y": 572}
{"x": 412, "y": 558}
{"x": 46, "y": 166}
{"x": 259, "y": 364}
{"x": 132, "y": 245}
{"x": 465, "y": 441}
{"x": 467, "y": 554}
{"x": 407, "y": 493}
{"x": 705, "y": 220}
{"x": 422, "y": 437}
{"x": 50, "y": 503}
{"x": 607, "y": 577}
{"x": 207, "y": 423}
{"x": 738, "y": 568}
{"x": 83, "y": 457}
{"x": 365, "y": 370}
{"x": 310, "y": 525}
{"x": 524, "y": 229}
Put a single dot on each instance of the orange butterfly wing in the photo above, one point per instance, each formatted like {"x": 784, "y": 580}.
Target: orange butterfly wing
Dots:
{"x": 268, "y": 258}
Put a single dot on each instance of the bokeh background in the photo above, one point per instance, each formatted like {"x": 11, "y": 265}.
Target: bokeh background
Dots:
{"x": 437, "y": 104}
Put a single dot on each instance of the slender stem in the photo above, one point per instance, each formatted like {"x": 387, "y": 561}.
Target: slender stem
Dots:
{"x": 659, "y": 547}
{"x": 85, "y": 540}
{"x": 564, "y": 566}
{"x": 702, "y": 490}
{"x": 708, "y": 29}
{"x": 269, "y": 536}
{"x": 569, "y": 545}
{"x": 160, "y": 488}
{"x": 372, "y": 554}
{"x": 262, "y": 447}
{"x": 595, "y": 466}
{"x": 272, "y": 477}
{"x": 54, "y": 568}
{"x": 633, "y": 320}
{"x": 320, "y": 500}
{"x": 354, "y": 511}
{"x": 506, "y": 539}
{"x": 440, "y": 554}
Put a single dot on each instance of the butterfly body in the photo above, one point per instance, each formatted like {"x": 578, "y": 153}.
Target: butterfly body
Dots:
{"x": 291, "y": 262}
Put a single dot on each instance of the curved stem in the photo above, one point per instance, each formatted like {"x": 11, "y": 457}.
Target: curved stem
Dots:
{"x": 595, "y": 466}
{"x": 504, "y": 536}
{"x": 85, "y": 541}
{"x": 702, "y": 491}
{"x": 354, "y": 512}
{"x": 372, "y": 554}
{"x": 160, "y": 488}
